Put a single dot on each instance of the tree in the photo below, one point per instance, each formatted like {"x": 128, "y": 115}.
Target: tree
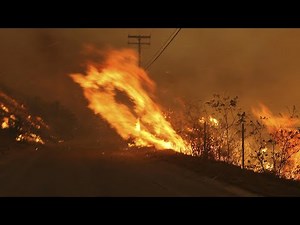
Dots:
{"x": 198, "y": 128}
{"x": 258, "y": 146}
{"x": 276, "y": 145}
{"x": 226, "y": 110}
{"x": 285, "y": 144}
{"x": 193, "y": 130}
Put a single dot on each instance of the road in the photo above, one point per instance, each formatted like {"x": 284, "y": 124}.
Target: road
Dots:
{"x": 91, "y": 172}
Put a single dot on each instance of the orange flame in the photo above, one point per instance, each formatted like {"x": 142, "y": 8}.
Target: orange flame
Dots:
{"x": 277, "y": 125}
{"x": 144, "y": 123}
{"x": 273, "y": 122}
{"x": 213, "y": 121}
{"x": 5, "y": 123}
{"x": 138, "y": 126}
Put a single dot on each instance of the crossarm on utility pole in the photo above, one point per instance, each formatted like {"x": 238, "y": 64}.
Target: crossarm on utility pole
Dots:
{"x": 139, "y": 43}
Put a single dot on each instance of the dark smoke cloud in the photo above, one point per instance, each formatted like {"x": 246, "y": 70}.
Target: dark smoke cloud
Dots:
{"x": 256, "y": 64}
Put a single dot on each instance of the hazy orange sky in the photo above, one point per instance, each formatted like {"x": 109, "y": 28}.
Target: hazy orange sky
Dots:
{"x": 255, "y": 64}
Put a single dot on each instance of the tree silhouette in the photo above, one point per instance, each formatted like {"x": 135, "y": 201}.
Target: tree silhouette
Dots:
{"x": 225, "y": 109}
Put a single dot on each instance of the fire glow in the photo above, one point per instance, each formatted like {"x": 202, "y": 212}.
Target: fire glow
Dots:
{"x": 285, "y": 134}
{"x": 13, "y": 113}
{"x": 30, "y": 137}
{"x": 141, "y": 121}
{"x": 144, "y": 123}
{"x": 5, "y": 123}
{"x": 273, "y": 122}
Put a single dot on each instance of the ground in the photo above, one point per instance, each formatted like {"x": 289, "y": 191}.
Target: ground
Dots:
{"x": 66, "y": 170}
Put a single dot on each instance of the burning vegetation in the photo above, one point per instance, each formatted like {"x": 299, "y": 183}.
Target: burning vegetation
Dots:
{"x": 144, "y": 123}
{"x": 214, "y": 130}
{"x": 278, "y": 142}
{"x": 34, "y": 121}
{"x": 18, "y": 123}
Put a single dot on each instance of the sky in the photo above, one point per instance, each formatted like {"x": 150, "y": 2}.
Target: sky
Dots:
{"x": 258, "y": 65}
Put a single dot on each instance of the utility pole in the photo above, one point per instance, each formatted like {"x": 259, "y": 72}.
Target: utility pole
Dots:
{"x": 243, "y": 139}
{"x": 205, "y": 140}
{"x": 139, "y": 43}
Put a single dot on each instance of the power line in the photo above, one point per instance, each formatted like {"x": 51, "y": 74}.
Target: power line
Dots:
{"x": 164, "y": 46}
{"x": 139, "y": 43}
{"x": 159, "y": 52}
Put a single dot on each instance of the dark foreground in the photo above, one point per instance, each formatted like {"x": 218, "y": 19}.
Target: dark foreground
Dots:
{"x": 87, "y": 171}
{"x": 63, "y": 171}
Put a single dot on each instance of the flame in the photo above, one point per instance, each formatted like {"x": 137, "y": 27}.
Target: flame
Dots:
{"x": 5, "y": 123}
{"x": 30, "y": 137}
{"x": 138, "y": 126}
{"x": 202, "y": 120}
{"x": 120, "y": 72}
{"x": 284, "y": 129}
{"x": 12, "y": 117}
{"x": 214, "y": 121}
{"x": 13, "y": 112}
{"x": 273, "y": 122}
{"x": 4, "y": 108}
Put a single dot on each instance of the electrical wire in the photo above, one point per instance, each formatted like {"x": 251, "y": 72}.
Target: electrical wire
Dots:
{"x": 163, "y": 48}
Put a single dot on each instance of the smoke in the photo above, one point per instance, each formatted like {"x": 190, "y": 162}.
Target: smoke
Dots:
{"x": 36, "y": 62}
{"x": 255, "y": 64}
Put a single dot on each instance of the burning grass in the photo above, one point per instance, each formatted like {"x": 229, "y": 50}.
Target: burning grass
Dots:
{"x": 212, "y": 132}
{"x": 17, "y": 123}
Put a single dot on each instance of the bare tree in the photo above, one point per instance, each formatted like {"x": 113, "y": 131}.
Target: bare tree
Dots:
{"x": 226, "y": 110}
{"x": 282, "y": 143}
{"x": 258, "y": 145}
{"x": 194, "y": 130}
{"x": 197, "y": 127}
{"x": 285, "y": 144}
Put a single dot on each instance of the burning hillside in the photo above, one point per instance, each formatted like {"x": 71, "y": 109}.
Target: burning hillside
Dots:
{"x": 216, "y": 132}
{"x": 18, "y": 123}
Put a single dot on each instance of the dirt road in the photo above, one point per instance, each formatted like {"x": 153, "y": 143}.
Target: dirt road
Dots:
{"x": 92, "y": 172}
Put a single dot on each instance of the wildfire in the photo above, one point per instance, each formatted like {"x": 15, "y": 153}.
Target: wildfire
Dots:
{"x": 4, "y": 108}
{"x": 5, "y": 123}
{"x": 202, "y": 120}
{"x": 30, "y": 137}
{"x": 138, "y": 126}
{"x": 285, "y": 134}
{"x": 213, "y": 121}
{"x": 15, "y": 116}
{"x": 275, "y": 122}
{"x": 144, "y": 123}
